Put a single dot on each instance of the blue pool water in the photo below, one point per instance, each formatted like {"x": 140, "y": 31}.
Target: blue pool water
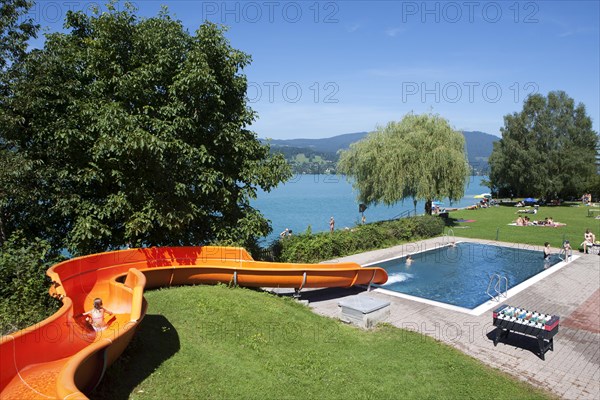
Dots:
{"x": 460, "y": 275}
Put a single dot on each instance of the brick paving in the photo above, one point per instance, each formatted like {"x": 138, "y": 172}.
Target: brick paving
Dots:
{"x": 586, "y": 316}
{"x": 571, "y": 371}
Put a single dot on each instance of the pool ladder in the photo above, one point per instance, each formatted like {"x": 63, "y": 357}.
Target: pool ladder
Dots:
{"x": 496, "y": 280}
{"x": 564, "y": 255}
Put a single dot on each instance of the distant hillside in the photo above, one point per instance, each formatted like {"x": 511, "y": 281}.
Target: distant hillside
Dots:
{"x": 320, "y": 155}
{"x": 479, "y": 146}
{"x": 327, "y": 145}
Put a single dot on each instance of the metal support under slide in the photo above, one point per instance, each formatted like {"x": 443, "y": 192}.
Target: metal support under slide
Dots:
{"x": 297, "y": 290}
{"x": 371, "y": 281}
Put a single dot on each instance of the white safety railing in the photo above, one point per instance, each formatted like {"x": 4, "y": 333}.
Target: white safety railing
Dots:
{"x": 496, "y": 280}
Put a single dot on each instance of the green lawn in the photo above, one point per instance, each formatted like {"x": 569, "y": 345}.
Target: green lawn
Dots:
{"x": 214, "y": 342}
{"x": 492, "y": 223}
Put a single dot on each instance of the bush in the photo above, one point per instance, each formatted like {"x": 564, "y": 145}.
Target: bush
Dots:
{"x": 24, "y": 298}
{"x": 310, "y": 248}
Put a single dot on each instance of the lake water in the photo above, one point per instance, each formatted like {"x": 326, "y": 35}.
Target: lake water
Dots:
{"x": 310, "y": 200}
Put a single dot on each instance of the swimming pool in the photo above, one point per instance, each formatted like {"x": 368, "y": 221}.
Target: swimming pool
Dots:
{"x": 459, "y": 275}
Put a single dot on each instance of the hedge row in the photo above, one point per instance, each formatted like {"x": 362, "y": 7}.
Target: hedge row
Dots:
{"x": 310, "y": 248}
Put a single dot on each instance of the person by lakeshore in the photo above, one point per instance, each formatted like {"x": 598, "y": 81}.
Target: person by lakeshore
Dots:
{"x": 331, "y": 224}
{"x": 363, "y": 220}
{"x": 95, "y": 317}
{"x": 588, "y": 240}
{"x": 287, "y": 232}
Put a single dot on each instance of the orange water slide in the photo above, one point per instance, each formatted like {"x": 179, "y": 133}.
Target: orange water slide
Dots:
{"x": 62, "y": 357}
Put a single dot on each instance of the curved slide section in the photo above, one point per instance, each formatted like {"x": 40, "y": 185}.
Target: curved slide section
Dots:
{"x": 62, "y": 357}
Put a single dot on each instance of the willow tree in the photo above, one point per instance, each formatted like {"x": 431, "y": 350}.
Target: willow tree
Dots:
{"x": 420, "y": 157}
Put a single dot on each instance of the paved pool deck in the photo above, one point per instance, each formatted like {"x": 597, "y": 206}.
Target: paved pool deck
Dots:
{"x": 571, "y": 371}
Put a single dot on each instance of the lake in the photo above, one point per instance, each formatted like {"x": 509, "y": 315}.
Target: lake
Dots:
{"x": 310, "y": 200}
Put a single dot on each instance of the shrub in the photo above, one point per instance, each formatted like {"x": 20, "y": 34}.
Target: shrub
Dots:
{"x": 24, "y": 298}
{"x": 309, "y": 248}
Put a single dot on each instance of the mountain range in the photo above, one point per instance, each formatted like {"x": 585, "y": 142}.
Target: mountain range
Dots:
{"x": 321, "y": 155}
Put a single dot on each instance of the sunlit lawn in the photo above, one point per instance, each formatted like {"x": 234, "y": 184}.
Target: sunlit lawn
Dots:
{"x": 213, "y": 342}
{"x": 492, "y": 223}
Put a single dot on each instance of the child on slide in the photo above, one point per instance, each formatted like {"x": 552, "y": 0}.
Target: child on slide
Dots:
{"x": 95, "y": 316}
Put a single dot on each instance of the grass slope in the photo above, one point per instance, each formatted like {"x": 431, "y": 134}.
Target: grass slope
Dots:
{"x": 214, "y": 342}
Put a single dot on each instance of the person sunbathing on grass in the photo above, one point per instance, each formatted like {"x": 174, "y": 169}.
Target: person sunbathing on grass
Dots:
{"x": 520, "y": 221}
{"x": 528, "y": 211}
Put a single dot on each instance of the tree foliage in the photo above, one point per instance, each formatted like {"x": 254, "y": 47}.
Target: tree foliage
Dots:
{"x": 547, "y": 149}
{"x": 15, "y": 31}
{"x": 24, "y": 298}
{"x": 132, "y": 131}
{"x": 420, "y": 157}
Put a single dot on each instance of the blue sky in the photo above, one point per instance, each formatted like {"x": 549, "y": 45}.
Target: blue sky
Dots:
{"x": 323, "y": 68}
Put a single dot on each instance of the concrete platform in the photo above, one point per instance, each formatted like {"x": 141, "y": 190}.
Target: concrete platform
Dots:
{"x": 571, "y": 371}
{"x": 364, "y": 311}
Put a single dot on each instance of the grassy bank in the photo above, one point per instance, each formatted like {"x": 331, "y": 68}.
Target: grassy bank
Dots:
{"x": 493, "y": 224}
{"x": 214, "y": 342}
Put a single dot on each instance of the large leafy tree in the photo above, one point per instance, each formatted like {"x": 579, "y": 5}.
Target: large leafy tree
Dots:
{"x": 420, "y": 157}
{"x": 133, "y": 131}
{"x": 547, "y": 149}
{"x": 15, "y": 31}
{"x": 23, "y": 260}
